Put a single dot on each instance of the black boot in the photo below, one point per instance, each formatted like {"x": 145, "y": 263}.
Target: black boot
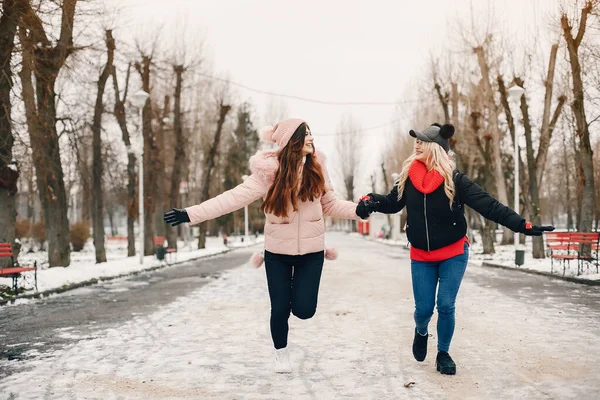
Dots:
{"x": 420, "y": 346}
{"x": 445, "y": 364}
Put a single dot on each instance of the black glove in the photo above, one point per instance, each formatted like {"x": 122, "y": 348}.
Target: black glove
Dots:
{"x": 365, "y": 207}
{"x": 176, "y": 216}
{"x": 535, "y": 230}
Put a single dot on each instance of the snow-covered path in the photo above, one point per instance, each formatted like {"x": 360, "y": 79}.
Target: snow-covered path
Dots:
{"x": 513, "y": 340}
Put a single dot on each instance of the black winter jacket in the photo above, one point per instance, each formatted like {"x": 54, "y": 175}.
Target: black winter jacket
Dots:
{"x": 432, "y": 224}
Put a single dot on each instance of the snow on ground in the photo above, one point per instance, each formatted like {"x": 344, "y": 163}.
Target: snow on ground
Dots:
{"x": 505, "y": 256}
{"x": 214, "y": 343}
{"x": 83, "y": 266}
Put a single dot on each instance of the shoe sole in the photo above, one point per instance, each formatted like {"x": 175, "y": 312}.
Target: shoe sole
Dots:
{"x": 446, "y": 371}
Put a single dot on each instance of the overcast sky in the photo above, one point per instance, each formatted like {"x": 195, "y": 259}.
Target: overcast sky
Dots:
{"x": 333, "y": 50}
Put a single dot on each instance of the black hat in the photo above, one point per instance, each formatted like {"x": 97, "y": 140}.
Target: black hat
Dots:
{"x": 435, "y": 133}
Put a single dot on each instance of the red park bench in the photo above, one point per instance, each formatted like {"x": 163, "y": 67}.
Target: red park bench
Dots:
{"x": 15, "y": 271}
{"x": 117, "y": 238}
{"x": 161, "y": 251}
{"x": 567, "y": 246}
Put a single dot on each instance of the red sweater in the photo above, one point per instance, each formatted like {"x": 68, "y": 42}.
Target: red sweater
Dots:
{"x": 426, "y": 182}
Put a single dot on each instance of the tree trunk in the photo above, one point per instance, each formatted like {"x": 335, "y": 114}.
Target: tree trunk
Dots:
{"x": 585, "y": 148}
{"x": 512, "y": 129}
{"x": 162, "y": 195}
{"x": 567, "y": 192}
{"x": 507, "y": 235}
{"x": 132, "y": 210}
{"x": 30, "y": 197}
{"x": 349, "y": 184}
{"x": 487, "y": 227}
{"x": 85, "y": 176}
{"x": 464, "y": 159}
{"x": 149, "y": 159}
{"x": 28, "y": 95}
{"x": 210, "y": 163}
{"x": 50, "y": 180}
{"x": 534, "y": 209}
{"x": 120, "y": 116}
{"x": 373, "y": 183}
{"x": 547, "y": 128}
{"x": 179, "y": 155}
{"x": 111, "y": 219}
{"x": 9, "y": 175}
{"x": 49, "y": 60}
{"x": 488, "y": 233}
{"x": 97, "y": 168}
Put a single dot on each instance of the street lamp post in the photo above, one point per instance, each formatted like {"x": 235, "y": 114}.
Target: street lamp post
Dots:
{"x": 244, "y": 177}
{"x": 139, "y": 100}
{"x": 515, "y": 94}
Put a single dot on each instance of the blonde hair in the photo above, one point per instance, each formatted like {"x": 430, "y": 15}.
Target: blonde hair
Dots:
{"x": 437, "y": 159}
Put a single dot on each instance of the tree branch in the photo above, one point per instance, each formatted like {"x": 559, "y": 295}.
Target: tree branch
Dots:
{"x": 64, "y": 46}
{"x": 582, "y": 24}
{"x": 31, "y": 21}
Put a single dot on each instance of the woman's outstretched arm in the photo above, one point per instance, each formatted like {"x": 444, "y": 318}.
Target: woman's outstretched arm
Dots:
{"x": 481, "y": 201}
{"x": 250, "y": 190}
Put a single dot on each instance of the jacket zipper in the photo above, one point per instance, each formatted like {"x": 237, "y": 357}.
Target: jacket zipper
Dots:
{"x": 426, "y": 226}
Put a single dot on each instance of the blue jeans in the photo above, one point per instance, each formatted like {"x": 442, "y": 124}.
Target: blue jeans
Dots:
{"x": 425, "y": 278}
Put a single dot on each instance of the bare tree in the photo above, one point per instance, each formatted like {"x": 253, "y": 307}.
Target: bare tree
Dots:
{"x": 494, "y": 128}
{"x": 349, "y": 141}
{"x": 9, "y": 174}
{"x": 97, "y": 169}
{"x": 465, "y": 155}
{"x": 548, "y": 124}
{"x": 46, "y": 60}
{"x": 120, "y": 115}
{"x": 150, "y": 155}
{"x": 483, "y": 173}
{"x": 162, "y": 195}
{"x": 586, "y": 165}
{"x": 179, "y": 154}
{"x": 210, "y": 164}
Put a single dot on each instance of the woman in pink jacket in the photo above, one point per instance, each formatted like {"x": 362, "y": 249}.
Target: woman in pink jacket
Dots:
{"x": 297, "y": 194}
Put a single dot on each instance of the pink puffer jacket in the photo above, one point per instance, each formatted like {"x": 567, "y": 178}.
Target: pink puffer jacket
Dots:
{"x": 302, "y": 231}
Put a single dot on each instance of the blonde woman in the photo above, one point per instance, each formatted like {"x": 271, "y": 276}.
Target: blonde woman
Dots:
{"x": 433, "y": 192}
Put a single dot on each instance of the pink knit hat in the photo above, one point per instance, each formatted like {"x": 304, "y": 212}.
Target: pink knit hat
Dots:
{"x": 282, "y": 132}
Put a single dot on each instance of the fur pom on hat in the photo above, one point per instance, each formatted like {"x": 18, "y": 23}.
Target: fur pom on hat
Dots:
{"x": 447, "y": 131}
{"x": 266, "y": 134}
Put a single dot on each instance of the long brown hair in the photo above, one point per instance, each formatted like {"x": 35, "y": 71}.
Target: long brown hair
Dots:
{"x": 286, "y": 187}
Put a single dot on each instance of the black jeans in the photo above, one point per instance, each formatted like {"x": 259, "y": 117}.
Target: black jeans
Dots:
{"x": 293, "y": 283}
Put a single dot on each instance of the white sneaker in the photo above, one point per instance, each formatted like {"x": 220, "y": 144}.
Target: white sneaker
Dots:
{"x": 282, "y": 361}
